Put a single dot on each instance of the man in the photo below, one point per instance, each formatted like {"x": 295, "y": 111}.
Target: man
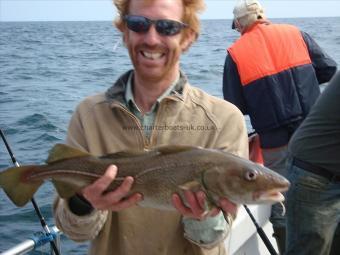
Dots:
{"x": 272, "y": 73}
{"x": 313, "y": 201}
{"x": 149, "y": 106}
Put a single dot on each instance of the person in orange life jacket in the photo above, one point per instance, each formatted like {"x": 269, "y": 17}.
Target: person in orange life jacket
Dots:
{"x": 272, "y": 73}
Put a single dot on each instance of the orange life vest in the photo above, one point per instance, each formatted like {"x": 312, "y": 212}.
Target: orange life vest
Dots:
{"x": 267, "y": 49}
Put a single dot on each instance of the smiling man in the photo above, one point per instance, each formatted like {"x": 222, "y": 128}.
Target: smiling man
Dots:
{"x": 151, "y": 105}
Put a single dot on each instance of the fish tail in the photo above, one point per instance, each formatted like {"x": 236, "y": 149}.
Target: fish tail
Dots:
{"x": 17, "y": 189}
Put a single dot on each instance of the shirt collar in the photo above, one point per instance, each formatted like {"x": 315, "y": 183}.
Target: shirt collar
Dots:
{"x": 129, "y": 98}
{"x": 116, "y": 93}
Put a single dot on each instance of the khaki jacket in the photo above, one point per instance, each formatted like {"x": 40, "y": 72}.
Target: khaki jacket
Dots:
{"x": 102, "y": 124}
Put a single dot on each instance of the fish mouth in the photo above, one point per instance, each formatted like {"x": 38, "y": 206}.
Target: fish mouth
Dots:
{"x": 273, "y": 195}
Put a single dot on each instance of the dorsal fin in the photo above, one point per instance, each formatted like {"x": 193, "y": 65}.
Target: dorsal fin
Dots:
{"x": 125, "y": 154}
{"x": 63, "y": 151}
{"x": 170, "y": 149}
{"x": 166, "y": 149}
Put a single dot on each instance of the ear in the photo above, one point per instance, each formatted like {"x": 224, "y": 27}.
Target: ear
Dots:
{"x": 188, "y": 38}
{"x": 125, "y": 36}
{"x": 239, "y": 27}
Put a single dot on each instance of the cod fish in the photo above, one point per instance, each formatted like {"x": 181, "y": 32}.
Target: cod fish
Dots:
{"x": 158, "y": 173}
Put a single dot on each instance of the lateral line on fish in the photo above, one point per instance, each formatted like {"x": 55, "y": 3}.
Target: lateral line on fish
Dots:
{"x": 156, "y": 176}
{"x": 67, "y": 172}
{"x": 157, "y": 168}
{"x": 147, "y": 171}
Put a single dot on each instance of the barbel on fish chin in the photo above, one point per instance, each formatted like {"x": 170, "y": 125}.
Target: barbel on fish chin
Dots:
{"x": 158, "y": 173}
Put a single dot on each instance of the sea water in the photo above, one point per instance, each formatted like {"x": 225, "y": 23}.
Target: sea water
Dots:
{"x": 46, "y": 68}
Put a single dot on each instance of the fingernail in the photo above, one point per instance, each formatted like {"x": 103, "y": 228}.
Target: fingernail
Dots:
{"x": 205, "y": 213}
{"x": 129, "y": 179}
{"x": 114, "y": 167}
{"x": 112, "y": 170}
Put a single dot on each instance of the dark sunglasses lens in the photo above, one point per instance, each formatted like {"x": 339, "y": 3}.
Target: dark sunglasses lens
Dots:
{"x": 137, "y": 23}
{"x": 168, "y": 27}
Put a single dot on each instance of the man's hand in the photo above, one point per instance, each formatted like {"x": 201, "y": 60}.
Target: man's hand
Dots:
{"x": 114, "y": 200}
{"x": 195, "y": 207}
{"x": 228, "y": 207}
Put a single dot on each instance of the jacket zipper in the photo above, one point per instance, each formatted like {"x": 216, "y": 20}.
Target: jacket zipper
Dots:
{"x": 162, "y": 105}
{"x": 121, "y": 107}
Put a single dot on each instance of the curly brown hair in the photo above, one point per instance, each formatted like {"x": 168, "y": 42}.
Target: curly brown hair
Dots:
{"x": 190, "y": 17}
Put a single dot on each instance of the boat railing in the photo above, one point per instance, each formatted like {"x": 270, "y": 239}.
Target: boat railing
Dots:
{"x": 243, "y": 238}
{"x": 39, "y": 239}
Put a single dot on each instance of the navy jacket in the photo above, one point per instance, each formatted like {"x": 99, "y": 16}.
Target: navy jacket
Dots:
{"x": 277, "y": 103}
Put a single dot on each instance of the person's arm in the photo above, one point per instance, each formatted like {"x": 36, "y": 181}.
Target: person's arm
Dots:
{"x": 232, "y": 87}
{"x": 82, "y": 216}
{"x": 74, "y": 216}
{"x": 325, "y": 67}
{"x": 78, "y": 227}
{"x": 210, "y": 230}
{"x": 204, "y": 229}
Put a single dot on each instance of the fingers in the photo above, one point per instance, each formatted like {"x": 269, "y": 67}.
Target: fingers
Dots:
{"x": 195, "y": 206}
{"x": 214, "y": 212}
{"x": 178, "y": 204}
{"x": 115, "y": 200}
{"x": 202, "y": 199}
{"x": 121, "y": 191}
{"x": 97, "y": 188}
{"x": 228, "y": 206}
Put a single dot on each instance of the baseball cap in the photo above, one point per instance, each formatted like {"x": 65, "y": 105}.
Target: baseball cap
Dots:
{"x": 245, "y": 7}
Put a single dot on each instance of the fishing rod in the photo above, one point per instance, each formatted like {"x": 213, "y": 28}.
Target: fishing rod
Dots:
{"x": 35, "y": 205}
{"x": 261, "y": 233}
{"x": 259, "y": 230}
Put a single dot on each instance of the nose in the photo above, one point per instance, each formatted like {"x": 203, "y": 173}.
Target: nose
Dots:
{"x": 151, "y": 37}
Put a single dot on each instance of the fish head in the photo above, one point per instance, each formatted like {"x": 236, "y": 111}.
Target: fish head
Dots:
{"x": 244, "y": 182}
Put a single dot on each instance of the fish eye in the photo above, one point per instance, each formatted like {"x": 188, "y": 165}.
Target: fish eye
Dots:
{"x": 250, "y": 175}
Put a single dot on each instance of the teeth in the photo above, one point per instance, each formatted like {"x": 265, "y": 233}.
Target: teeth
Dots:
{"x": 152, "y": 55}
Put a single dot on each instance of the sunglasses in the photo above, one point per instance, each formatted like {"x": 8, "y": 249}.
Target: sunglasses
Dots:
{"x": 140, "y": 24}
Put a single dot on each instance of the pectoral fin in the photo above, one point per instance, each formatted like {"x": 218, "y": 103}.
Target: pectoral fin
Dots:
{"x": 64, "y": 189}
{"x": 192, "y": 186}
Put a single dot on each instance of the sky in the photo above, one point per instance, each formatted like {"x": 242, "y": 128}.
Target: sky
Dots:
{"x": 57, "y": 10}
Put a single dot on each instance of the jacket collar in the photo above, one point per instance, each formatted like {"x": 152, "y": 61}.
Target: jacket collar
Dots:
{"x": 117, "y": 91}
{"x": 252, "y": 26}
